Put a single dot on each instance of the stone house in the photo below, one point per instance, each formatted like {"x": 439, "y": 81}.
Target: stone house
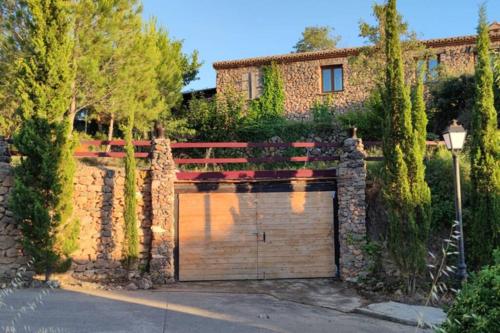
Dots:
{"x": 311, "y": 76}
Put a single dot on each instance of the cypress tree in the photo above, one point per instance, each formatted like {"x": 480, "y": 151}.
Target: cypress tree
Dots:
{"x": 420, "y": 191}
{"x": 484, "y": 230}
{"x": 42, "y": 84}
{"x": 36, "y": 191}
{"x": 407, "y": 195}
{"x": 130, "y": 215}
{"x": 141, "y": 103}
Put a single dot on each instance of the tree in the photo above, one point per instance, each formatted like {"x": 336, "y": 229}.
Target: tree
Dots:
{"x": 406, "y": 193}
{"x": 138, "y": 104}
{"x": 316, "y": 39}
{"x": 130, "y": 214}
{"x": 368, "y": 67}
{"x": 36, "y": 191}
{"x": 43, "y": 86}
{"x": 10, "y": 50}
{"x": 485, "y": 162}
{"x": 375, "y": 34}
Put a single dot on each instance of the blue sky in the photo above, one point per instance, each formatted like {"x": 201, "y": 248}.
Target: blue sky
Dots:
{"x": 234, "y": 29}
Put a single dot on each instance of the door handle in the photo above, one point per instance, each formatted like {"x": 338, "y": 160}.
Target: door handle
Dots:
{"x": 258, "y": 236}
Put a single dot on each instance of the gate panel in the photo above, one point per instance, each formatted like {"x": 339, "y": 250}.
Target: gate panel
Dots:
{"x": 217, "y": 236}
{"x": 296, "y": 235}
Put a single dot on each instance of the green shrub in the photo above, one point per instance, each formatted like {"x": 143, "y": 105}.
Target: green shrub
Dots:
{"x": 439, "y": 175}
{"x": 323, "y": 111}
{"x": 368, "y": 120}
{"x": 477, "y": 306}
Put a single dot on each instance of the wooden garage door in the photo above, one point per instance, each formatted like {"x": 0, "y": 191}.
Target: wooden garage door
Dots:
{"x": 298, "y": 229}
{"x": 233, "y": 236}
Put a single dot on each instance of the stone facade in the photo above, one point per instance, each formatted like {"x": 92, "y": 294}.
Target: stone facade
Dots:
{"x": 301, "y": 73}
{"x": 351, "y": 185}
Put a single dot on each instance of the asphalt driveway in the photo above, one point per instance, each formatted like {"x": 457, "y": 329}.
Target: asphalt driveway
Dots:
{"x": 177, "y": 310}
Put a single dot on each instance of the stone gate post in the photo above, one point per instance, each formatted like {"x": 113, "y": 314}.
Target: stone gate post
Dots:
{"x": 352, "y": 208}
{"x": 162, "y": 219}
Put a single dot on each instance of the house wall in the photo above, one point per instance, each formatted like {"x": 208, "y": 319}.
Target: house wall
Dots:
{"x": 302, "y": 79}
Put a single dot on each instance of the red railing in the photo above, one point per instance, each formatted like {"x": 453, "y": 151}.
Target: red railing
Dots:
{"x": 240, "y": 174}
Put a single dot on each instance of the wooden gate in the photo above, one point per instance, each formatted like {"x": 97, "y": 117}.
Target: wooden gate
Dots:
{"x": 263, "y": 235}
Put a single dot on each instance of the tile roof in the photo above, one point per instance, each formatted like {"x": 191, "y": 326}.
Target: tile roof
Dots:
{"x": 337, "y": 53}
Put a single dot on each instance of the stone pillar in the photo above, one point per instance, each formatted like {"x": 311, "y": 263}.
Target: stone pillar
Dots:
{"x": 352, "y": 208}
{"x": 162, "y": 205}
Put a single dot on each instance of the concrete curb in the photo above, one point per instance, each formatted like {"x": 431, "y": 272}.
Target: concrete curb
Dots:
{"x": 382, "y": 316}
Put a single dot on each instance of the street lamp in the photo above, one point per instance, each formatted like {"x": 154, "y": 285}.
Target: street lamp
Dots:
{"x": 454, "y": 138}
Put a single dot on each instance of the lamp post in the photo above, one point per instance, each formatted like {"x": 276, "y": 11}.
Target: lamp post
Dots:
{"x": 454, "y": 138}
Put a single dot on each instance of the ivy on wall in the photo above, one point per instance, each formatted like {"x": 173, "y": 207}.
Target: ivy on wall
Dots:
{"x": 271, "y": 104}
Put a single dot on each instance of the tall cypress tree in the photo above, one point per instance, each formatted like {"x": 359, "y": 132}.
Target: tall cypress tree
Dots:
{"x": 420, "y": 191}
{"x": 43, "y": 78}
{"x": 407, "y": 195}
{"x": 130, "y": 214}
{"x": 141, "y": 104}
{"x": 485, "y": 161}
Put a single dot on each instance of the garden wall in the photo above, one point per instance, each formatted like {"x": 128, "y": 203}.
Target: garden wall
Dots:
{"x": 98, "y": 207}
{"x": 99, "y": 204}
{"x": 11, "y": 258}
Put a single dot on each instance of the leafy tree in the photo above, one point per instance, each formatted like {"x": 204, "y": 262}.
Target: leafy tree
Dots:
{"x": 484, "y": 228}
{"x": 406, "y": 193}
{"x": 368, "y": 67}
{"x": 316, "y": 39}
{"x": 217, "y": 119}
{"x": 375, "y": 34}
{"x": 11, "y": 35}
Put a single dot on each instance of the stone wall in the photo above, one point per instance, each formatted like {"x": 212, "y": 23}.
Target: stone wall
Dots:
{"x": 302, "y": 79}
{"x": 99, "y": 203}
{"x": 98, "y": 207}
{"x": 11, "y": 257}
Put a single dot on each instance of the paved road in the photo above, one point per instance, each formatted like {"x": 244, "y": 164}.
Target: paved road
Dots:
{"x": 162, "y": 311}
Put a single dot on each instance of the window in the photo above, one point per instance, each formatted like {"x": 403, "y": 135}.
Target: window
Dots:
{"x": 251, "y": 84}
{"x": 332, "y": 78}
{"x": 432, "y": 64}
{"x": 432, "y": 67}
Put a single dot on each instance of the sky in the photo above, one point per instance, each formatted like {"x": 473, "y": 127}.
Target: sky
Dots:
{"x": 235, "y": 29}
